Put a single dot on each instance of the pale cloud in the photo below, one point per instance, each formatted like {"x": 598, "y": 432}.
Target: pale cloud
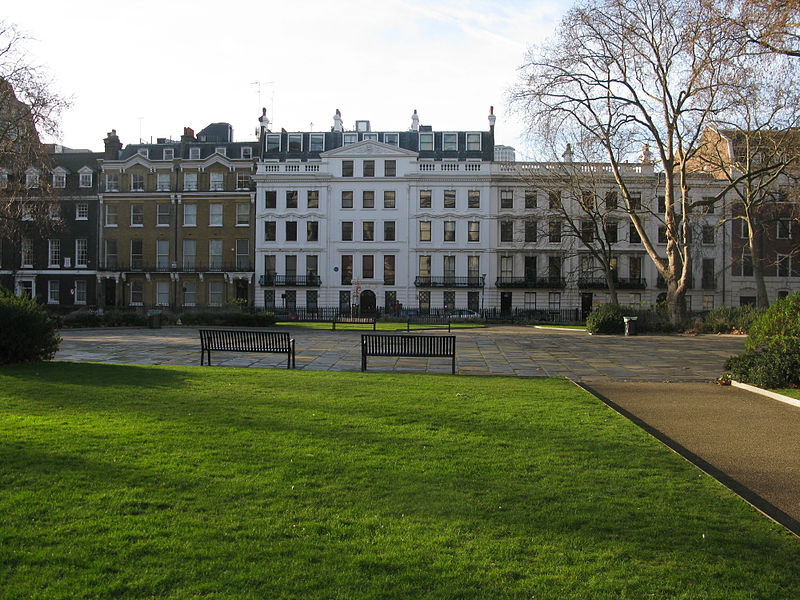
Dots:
{"x": 182, "y": 63}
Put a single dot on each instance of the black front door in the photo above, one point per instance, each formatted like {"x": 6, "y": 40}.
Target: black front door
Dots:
{"x": 368, "y": 305}
{"x": 242, "y": 291}
{"x": 586, "y": 304}
{"x": 110, "y": 292}
{"x": 505, "y": 302}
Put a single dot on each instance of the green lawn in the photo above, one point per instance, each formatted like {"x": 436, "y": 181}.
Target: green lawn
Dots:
{"x": 791, "y": 392}
{"x": 182, "y": 482}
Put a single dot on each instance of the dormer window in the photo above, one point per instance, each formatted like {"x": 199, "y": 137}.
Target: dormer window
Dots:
{"x": 316, "y": 142}
{"x": 426, "y": 142}
{"x": 473, "y": 142}
{"x": 86, "y": 180}
{"x": 273, "y": 142}
{"x": 371, "y": 136}
{"x": 59, "y": 179}
{"x": 391, "y": 138}
{"x": 247, "y": 153}
{"x": 350, "y": 138}
{"x": 143, "y": 152}
{"x": 449, "y": 142}
{"x": 194, "y": 153}
{"x": 220, "y": 150}
{"x": 295, "y": 142}
{"x": 169, "y": 153}
{"x": 32, "y": 178}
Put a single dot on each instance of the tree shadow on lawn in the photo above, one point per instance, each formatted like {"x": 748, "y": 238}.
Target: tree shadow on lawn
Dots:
{"x": 95, "y": 374}
{"x": 316, "y": 459}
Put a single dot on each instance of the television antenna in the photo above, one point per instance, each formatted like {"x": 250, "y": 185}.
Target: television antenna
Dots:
{"x": 272, "y": 100}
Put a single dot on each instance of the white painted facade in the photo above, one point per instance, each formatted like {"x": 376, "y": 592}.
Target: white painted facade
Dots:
{"x": 376, "y": 203}
{"x": 438, "y": 263}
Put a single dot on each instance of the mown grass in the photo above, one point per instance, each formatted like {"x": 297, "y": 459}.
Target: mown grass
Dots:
{"x": 791, "y": 392}
{"x": 180, "y": 482}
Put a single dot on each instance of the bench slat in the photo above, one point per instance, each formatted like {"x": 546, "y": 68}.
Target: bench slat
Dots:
{"x": 245, "y": 340}
{"x": 408, "y": 346}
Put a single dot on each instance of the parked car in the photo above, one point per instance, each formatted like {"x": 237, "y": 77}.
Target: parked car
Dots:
{"x": 464, "y": 315}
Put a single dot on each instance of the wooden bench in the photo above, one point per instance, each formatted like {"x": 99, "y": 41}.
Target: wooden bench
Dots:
{"x": 428, "y": 320}
{"x": 246, "y": 340}
{"x": 407, "y": 346}
{"x": 356, "y": 320}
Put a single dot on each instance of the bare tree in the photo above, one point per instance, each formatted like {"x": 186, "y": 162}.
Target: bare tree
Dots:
{"x": 626, "y": 73}
{"x": 753, "y": 148}
{"x": 758, "y": 170}
{"x": 582, "y": 196}
{"x": 28, "y": 107}
{"x": 768, "y": 26}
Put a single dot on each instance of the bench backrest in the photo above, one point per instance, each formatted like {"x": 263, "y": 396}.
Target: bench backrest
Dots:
{"x": 408, "y": 345}
{"x": 245, "y": 340}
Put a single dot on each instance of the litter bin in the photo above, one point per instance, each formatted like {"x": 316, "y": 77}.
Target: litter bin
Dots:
{"x": 630, "y": 325}
{"x": 154, "y": 319}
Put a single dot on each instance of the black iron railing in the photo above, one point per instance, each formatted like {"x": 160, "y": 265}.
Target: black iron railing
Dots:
{"x": 620, "y": 283}
{"x": 531, "y": 282}
{"x": 445, "y": 281}
{"x": 289, "y": 280}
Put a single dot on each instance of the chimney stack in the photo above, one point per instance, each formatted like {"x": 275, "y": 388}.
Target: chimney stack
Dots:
{"x": 263, "y": 121}
{"x": 113, "y": 146}
{"x": 415, "y": 121}
{"x": 337, "y": 121}
{"x": 492, "y": 119}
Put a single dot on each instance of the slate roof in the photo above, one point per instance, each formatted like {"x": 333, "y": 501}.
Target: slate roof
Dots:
{"x": 408, "y": 140}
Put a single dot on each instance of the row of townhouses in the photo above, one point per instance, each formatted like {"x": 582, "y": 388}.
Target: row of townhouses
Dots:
{"x": 415, "y": 218}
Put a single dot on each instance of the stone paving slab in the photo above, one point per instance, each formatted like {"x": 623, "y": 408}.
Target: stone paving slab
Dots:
{"x": 501, "y": 350}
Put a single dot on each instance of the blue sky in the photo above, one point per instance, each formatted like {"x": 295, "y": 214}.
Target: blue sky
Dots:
{"x": 150, "y": 68}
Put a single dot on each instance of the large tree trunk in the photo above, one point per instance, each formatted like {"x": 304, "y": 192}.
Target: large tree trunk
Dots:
{"x": 612, "y": 285}
{"x": 762, "y": 299}
{"x": 676, "y": 303}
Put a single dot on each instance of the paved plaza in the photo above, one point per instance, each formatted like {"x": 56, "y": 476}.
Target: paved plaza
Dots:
{"x": 500, "y": 350}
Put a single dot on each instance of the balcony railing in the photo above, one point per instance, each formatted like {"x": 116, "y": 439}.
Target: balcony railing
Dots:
{"x": 187, "y": 266}
{"x": 620, "y": 283}
{"x": 269, "y": 280}
{"x": 531, "y": 282}
{"x": 445, "y": 281}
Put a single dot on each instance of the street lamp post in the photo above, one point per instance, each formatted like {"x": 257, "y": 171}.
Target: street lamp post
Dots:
{"x": 483, "y": 290}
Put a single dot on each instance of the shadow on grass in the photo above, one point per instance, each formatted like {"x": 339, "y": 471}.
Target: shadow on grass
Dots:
{"x": 270, "y": 451}
{"x": 94, "y": 374}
